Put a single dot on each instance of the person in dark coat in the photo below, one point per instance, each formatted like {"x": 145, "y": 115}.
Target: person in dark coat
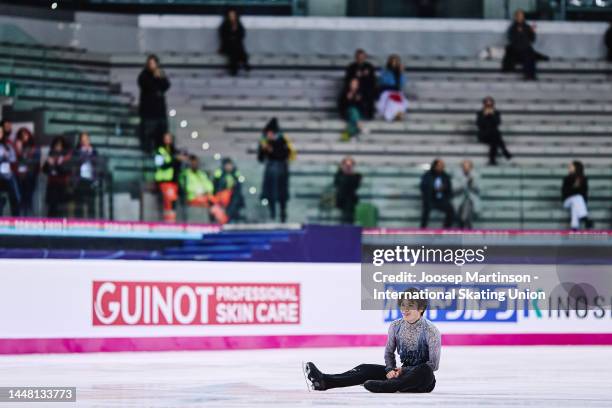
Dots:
{"x": 575, "y": 195}
{"x": 365, "y": 72}
{"x": 86, "y": 160}
{"x": 153, "y": 85}
{"x": 521, "y": 37}
{"x": 28, "y": 168}
{"x": 274, "y": 152}
{"x": 488, "y": 120}
{"x": 231, "y": 35}
{"x": 437, "y": 193}
{"x": 608, "y": 42}
{"x": 57, "y": 169}
{"x": 347, "y": 182}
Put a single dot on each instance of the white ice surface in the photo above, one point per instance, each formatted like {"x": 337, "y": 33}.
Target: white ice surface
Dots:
{"x": 468, "y": 377}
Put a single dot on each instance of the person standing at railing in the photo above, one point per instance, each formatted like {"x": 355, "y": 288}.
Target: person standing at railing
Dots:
{"x": 167, "y": 164}
{"x": 575, "y": 194}
{"x": 274, "y": 152}
{"x": 86, "y": 158}
{"x": 28, "y": 168}
{"x": 231, "y": 35}
{"x": 8, "y": 181}
{"x": 153, "y": 85}
{"x": 57, "y": 169}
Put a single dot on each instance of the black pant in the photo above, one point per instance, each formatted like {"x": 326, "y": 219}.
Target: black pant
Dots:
{"x": 9, "y": 185}
{"x": 497, "y": 143}
{"x": 442, "y": 205}
{"x": 85, "y": 199}
{"x": 237, "y": 56}
{"x": 413, "y": 379}
{"x": 151, "y": 132}
{"x": 27, "y": 186}
{"x": 57, "y": 198}
{"x": 526, "y": 57}
{"x": 283, "y": 210}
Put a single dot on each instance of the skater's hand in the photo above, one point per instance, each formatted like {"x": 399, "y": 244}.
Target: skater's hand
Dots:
{"x": 394, "y": 373}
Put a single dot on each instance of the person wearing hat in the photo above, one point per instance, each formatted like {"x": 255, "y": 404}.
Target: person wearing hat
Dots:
{"x": 274, "y": 152}
{"x": 413, "y": 337}
{"x": 228, "y": 189}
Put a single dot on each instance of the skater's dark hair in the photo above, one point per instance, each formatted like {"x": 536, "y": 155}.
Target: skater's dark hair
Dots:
{"x": 411, "y": 294}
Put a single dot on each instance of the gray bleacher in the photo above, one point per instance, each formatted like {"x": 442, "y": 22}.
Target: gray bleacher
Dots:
{"x": 548, "y": 123}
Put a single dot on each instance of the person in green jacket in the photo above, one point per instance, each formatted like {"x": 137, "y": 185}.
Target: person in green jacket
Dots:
{"x": 167, "y": 163}
{"x": 200, "y": 191}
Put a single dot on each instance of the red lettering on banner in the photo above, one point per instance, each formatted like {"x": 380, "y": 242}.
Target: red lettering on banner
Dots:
{"x": 118, "y": 303}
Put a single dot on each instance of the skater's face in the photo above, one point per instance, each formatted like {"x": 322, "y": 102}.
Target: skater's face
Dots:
{"x": 410, "y": 311}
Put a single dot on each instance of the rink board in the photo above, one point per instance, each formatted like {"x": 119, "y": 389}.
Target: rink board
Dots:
{"x": 92, "y": 306}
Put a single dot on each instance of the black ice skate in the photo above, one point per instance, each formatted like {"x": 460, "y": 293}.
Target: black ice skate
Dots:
{"x": 312, "y": 373}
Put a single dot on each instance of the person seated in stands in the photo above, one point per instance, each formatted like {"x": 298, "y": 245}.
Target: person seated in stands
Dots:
{"x": 365, "y": 72}
{"x": 608, "y": 42}
{"x": 575, "y": 193}
{"x": 200, "y": 191}
{"x": 436, "y": 193}
{"x": 231, "y": 35}
{"x": 392, "y": 103}
{"x": 227, "y": 181}
{"x": 347, "y": 182}
{"x": 167, "y": 166}
{"x": 86, "y": 158}
{"x": 274, "y": 152}
{"x": 57, "y": 169}
{"x": 28, "y": 168}
{"x": 352, "y": 109}
{"x": 153, "y": 85}
{"x": 521, "y": 37}
{"x": 467, "y": 194}
{"x": 488, "y": 120}
{"x": 8, "y": 180}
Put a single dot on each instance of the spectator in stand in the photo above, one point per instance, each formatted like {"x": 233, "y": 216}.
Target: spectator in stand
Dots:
{"x": 274, "y": 152}
{"x": 57, "y": 169}
{"x": 86, "y": 158}
{"x": 28, "y": 168}
{"x": 521, "y": 37}
{"x": 608, "y": 42}
{"x": 436, "y": 193}
{"x": 575, "y": 193}
{"x": 347, "y": 182}
{"x": 467, "y": 194}
{"x": 7, "y": 127}
{"x": 200, "y": 191}
{"x": 167, "y": 163}
{"x": 366, "y": 74}
{"x": 228, "y": 189}
{"x": 231, "y": 35}
{"x": 352, "y": 109}
{"x": 153, "y": 85}
{"x": 8, "y": 181}
{"x": 392, "y": 103}
{"x": 488, "y": 120}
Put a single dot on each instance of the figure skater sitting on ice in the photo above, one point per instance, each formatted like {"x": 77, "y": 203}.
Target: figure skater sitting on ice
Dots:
{"x": 417, "y": 342}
